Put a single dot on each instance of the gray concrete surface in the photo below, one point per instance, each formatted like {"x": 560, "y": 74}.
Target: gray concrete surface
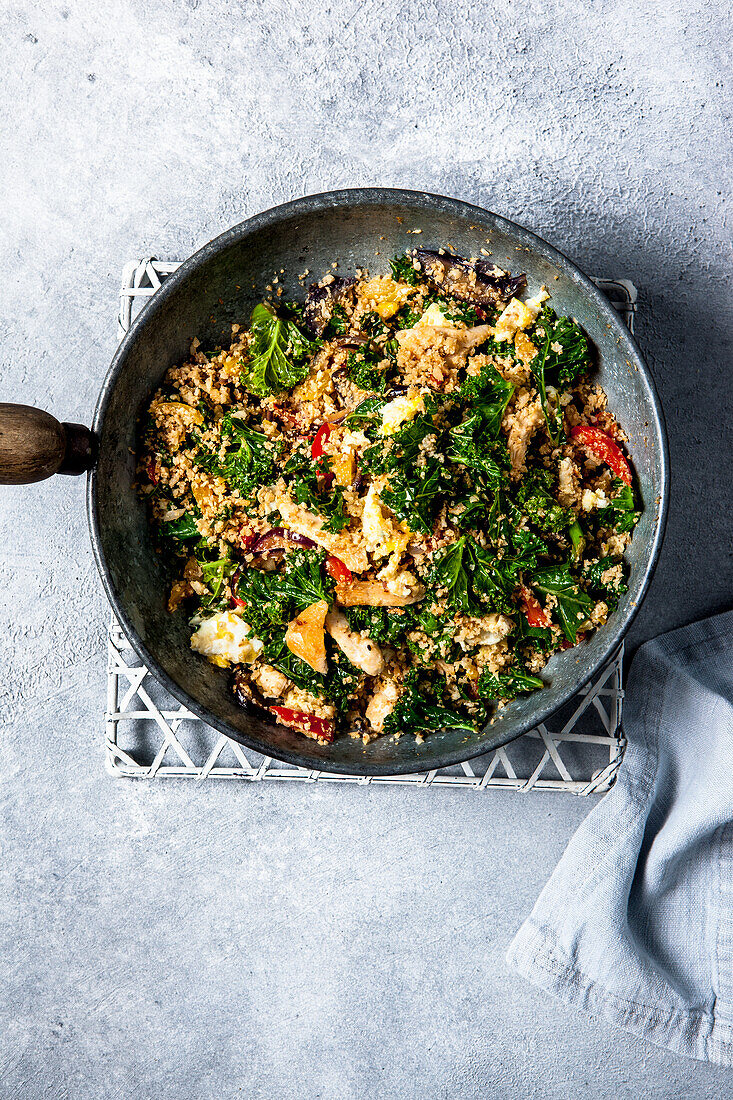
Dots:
{"x": 219, "y": 941}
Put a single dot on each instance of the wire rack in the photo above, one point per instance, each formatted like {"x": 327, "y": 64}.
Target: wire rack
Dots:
{"x": 149, "y": 735}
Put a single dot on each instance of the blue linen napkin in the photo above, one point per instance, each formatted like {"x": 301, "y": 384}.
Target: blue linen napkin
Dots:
{"x": 636, "y": 921}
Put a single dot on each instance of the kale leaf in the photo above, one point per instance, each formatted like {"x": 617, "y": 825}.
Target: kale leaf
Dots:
{"x": 506, "y": 685}
{"x": 338, "y": 323}
{"x": 535, "y": 498}
{"x": 488, "y": 394}
{"x": 418, "y": 708}
{"x": 183, "y": 529}
{"x": 366, "y": 413}
{"x": 469, "y": 447}
{"x": 573, "y": 605}
{"x": 363, "y": 369}
{"x": 608, "y": 590}
{"x": 403, "y": 270}
{"x": 414, "y": 495}
{"x": 274, "y": 599}
{"x": 279, "y": 353}
{"x": 476, "y": 581}
{"x": 561, "y": 367}
{"x": 620, "y": 513}
{"x": 564, "y": 354}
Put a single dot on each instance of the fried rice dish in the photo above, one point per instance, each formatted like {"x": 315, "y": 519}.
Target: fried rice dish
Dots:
{"x": 384, "y": 507}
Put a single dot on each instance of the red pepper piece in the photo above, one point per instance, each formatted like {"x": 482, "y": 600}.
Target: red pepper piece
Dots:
{"x": 602, "y": 447}
{"x": 308, "y": 723}
{"x": 319, "y": 439}
{"x": 338, "y": 570}
{"x": 533, "y": 609}
{"x": 317, "y": 451}
{"x": 151, "y": 472}
{"x": 246, "y": 540}
{"x": 237, "y": 602}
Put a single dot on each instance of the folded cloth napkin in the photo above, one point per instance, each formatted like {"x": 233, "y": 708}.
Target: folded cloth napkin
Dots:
{"x": 636, "y": 921}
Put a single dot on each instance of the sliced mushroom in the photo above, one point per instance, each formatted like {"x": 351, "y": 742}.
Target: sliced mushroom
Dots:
{"x": 361, "y": 650}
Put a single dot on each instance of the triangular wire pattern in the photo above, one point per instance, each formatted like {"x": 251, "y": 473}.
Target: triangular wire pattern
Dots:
{"x": 149, "y": 735}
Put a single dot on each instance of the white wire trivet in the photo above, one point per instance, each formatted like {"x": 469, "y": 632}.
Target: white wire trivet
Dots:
{"x": 148, "y": 734}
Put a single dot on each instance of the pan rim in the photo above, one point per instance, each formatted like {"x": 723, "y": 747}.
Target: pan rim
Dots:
{"x": 360, "y": 197}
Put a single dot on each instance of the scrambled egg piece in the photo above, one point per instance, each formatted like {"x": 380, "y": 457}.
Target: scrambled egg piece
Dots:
{"x": 226, "y": 639}
{"x": 384, "y": 296}
{"x": 381, "y": 534}
{"x": 434, "y": 316}
{"x": 399, "y": 411}
{"x": 518, "y": 316}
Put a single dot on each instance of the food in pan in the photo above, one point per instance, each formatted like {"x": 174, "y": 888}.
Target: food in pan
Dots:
{"x": 386, "y": 506}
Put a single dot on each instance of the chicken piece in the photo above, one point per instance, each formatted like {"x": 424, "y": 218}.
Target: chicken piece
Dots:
{"x": 488, "y": 630}
{"x": 305, "y": 638}
{"x": 520, "y": 425}
{"x": 376, "y": 594}
{"x": 271, "y": 682}
{"x": 361, "y": 651}
{"x": 341, "y": 545}
{"x": 382, "y": 703}
{"x": 453, "y": 343}
{"x": 569, "y": 491}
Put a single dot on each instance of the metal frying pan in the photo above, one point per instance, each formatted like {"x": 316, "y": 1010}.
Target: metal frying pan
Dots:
{"x": 220, "y": 285}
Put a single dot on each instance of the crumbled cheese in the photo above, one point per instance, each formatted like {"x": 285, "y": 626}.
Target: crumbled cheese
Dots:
{"x": 226, "y": 639}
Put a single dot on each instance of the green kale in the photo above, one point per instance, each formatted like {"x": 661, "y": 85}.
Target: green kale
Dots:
{"x": 363, "y": 369}
{"x": 279, "y": 354}
{"x": 310, "y": 486}
{"x": 183, "y": 529}
{"x": 551, "y": 366}
{"x": 535, "y": 498}
{"x": 415, "y": 495}
{"x": 620, "y": 513}
{"x": 476, "y": 581}
{"x": 562, "y": 367}
{"x": 419, "y": 708}
{"x": 487, "y": 395}
{"x": 216, "y": 572}
{"x": 415, "y": 488}
{"x": 338, "y": 323}
{"x": 577, "y": 539}
{"x": 470, "y": 446}
{"x": 573, "y": 605}
{"x": 274, "y": 599}
{"x": 252, "y": 462}
{"x": 403, "y": 270}
{"x": 366, "y": 413}
{"x": 372, "y": 324}
{"x": 608, "y": 590}
{"x": 506, "y": 685}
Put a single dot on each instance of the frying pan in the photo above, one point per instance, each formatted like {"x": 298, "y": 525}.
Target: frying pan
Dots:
{"x": 220, "y": 285}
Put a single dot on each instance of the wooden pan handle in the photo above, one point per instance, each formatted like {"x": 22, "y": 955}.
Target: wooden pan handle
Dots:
{"x": 34, "y": 445}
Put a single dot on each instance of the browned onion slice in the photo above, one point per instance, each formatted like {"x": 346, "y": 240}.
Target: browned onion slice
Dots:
{"x": 278, "y": 538}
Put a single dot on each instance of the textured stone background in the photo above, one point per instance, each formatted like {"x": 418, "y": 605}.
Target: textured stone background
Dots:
{"x": 214, "y": 941}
